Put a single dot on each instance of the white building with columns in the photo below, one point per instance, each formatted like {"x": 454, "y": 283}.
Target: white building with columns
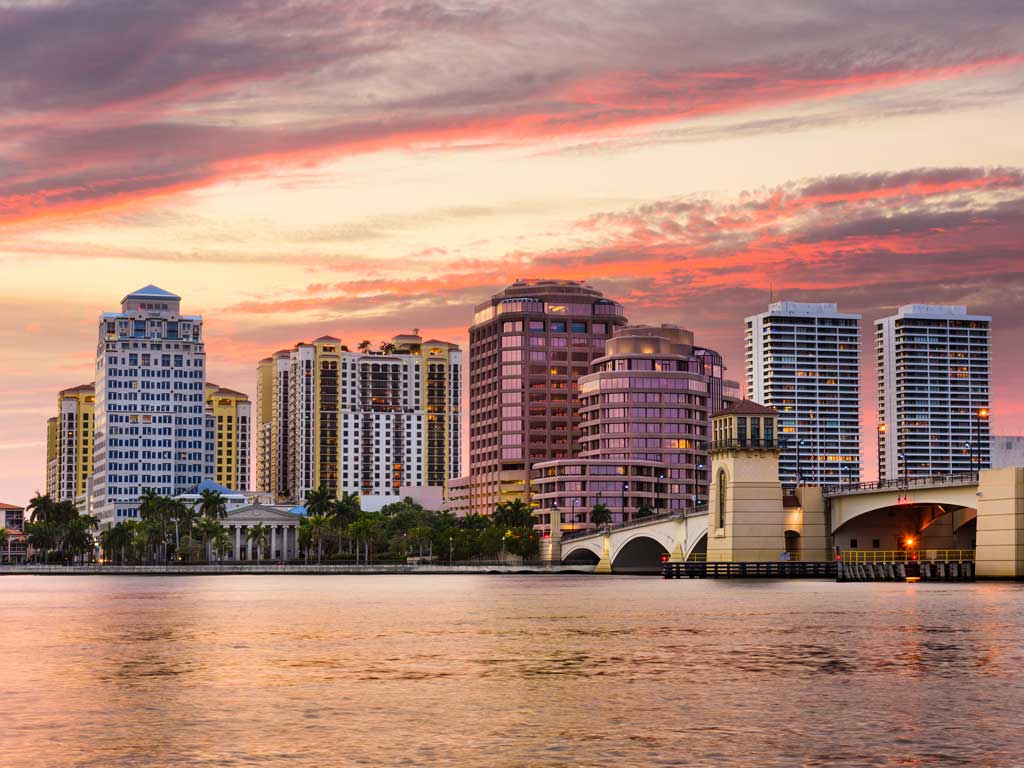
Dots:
{"x": 282, "y": 532}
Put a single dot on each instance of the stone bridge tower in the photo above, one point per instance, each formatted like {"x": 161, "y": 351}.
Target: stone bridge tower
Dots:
{"x": 746, "y": 520}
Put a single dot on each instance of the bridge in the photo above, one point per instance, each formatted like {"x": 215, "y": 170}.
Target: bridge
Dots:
{"x": 981, "y": 513}
{"x": 638, "y": 546}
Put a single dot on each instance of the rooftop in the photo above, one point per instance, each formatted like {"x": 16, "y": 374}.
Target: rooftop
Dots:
{"x": 151, "y": 292}
{"x": 747, "y": 408}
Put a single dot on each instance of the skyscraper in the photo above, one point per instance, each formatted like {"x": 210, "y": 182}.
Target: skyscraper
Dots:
{"x": 70, "y": 444}
{"x": 379, "y": 423}
{"x": 528, "y": 346}
{"x": 151, "y": 429}
{"x": 231, "y": 414}
{"x": 645, "y": 412}
{"x": 803, "y": 360}
{"x": 933, "y": 390}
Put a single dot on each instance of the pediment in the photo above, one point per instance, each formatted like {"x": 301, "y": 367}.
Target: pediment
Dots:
{"x": 257, "y": 513}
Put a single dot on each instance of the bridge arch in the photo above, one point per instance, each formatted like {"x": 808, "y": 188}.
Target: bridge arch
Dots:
{"x": 929, "y": 524}
{"x": 641, "y": 553}
{"x": 582, "y": 551}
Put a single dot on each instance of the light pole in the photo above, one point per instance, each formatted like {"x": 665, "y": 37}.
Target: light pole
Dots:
{"x": 903, "y": 459}
{"x": 799, "y": 472}
{"x": 982, "y": 414}
{"x": 625, "y": 490}
{"x": 969, "y": 447}
{"x": 700, "y": 479}
{"x": 553, "y": 517}
{"x": 881, "y": 439}
{"x": 575, "y": 511}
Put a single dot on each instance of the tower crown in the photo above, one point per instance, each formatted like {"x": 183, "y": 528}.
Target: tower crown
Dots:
{"x": 744, "y": 426}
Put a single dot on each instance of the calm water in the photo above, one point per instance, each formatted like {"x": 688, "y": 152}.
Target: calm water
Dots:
{"x": 507, "y": 671}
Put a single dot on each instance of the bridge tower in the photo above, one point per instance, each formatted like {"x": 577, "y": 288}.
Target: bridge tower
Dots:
{"x": 746, "y": 520}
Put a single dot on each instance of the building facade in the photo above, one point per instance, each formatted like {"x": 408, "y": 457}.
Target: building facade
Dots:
{"x": 12, "y": 520}
{"x": 379, "y": 424}
{"x": 803, "y": 360}
{"x": 645, "y": 426}
{"x": 528, "y": 347}
{"x": 69, "y": 445}
{"x": 934, "y": 365}
{"x": 151, "y": 427}
{"x": 230, "y": 413}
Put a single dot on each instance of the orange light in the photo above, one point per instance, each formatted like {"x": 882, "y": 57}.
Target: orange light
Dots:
{"x": 983, "y": 413}
{"x": 910, "y": 541}
{"x": 881, "y": 428}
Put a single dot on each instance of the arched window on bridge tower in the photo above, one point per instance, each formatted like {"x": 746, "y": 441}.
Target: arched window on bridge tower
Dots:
{"x": 721, "y": 499}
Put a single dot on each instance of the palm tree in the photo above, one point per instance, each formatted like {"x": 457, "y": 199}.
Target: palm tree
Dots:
{"x": 116, "y": 539}
{"x": 221, "y": 542}
{"x": 363, "y": 345}
{"x": 76, "y": 536}
{"x": 42, "y": 535}
{"x": 420, "y": 534}
{"x": 346, "y": 510}
{"x": 177, "y": 511}
{"x": 40, "y": 508}
{"x": 304, "y": 537}
{"x": 319, "y": 501}
{"x": 387, "y": 347}
{"x": 513, "y": 514}
{"x": 5, "y": 541}
{"x": 208, "y": 528}
{"x": 257, "y": 536}
{"x": 319, "y": 526}
{"x": 212, "y": 504}
{"x": 600, "y": 515}
{"x": 362, "y": 530}
{"x": 644, "y": 510}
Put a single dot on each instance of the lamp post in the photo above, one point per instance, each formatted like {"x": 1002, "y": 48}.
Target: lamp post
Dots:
{"x": 700, "y": 476}
{"x": 657, "y": 491}
{"x": 575, "y": 511}
{"x": 551, "y": 524}
{"x": 881, "y": 439}
{"x": 969, "y": 447}
{"x": 625, "y": 490}
{"x": 903, "y": 459}
{"x": 982, "y": 414}
{"x": 799, "y": 472}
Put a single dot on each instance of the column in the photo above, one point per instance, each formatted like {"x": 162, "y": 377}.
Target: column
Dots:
{"x": 273, "y": 542}
{"x": 238, "y": 548}
{"x": 248, "y": 551}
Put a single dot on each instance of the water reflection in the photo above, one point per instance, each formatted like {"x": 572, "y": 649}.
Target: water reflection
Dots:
{"x": 516, "y": 671}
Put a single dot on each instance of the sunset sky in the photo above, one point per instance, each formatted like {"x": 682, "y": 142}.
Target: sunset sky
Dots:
{"x": 364, "y": 168}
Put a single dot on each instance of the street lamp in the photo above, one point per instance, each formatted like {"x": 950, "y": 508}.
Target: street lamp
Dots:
{"x": 657, "y": 491}
{"x": 969, "y": 447}
{"x": 551, "y": 522}
{"x": 881, "y": 438}
{"x": 982, "y": 414}
{"x": 903, "y": 459}
{"x": 799, "y": 472}
{"x": 575, "y": 511}
{"x": 625, "y": 490}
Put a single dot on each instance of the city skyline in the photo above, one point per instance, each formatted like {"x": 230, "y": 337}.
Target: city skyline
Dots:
{"x": 362, "y": 180}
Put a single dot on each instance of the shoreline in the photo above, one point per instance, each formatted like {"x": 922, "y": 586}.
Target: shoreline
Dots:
{"x": 290, "y": 570}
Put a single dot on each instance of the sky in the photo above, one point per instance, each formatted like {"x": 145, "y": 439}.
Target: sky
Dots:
{"x": 365, "y": 168}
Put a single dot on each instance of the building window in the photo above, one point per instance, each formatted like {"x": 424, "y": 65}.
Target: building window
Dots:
{"x": 721, "y": 499}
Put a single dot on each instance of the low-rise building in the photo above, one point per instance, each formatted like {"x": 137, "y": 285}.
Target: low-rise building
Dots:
{"x": 12, "y": 520}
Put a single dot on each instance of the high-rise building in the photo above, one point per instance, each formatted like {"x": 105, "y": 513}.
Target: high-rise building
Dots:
{"x": 803, "y": 361}
{"x": 933, "y": 391}
{"x": 645, "y": 429}
{"x": 70, "y": 444}
{"x": 231, "y": 414}
{"x": 528, "y": 346}
{"x": 151, "y": 426}
{"x": 377, "y": 423}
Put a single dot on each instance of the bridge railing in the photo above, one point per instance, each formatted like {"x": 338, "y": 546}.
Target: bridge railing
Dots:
{"x": 959, "y": 478}
{"x": 906, "y": 556}
{"x": 639, "y": 521}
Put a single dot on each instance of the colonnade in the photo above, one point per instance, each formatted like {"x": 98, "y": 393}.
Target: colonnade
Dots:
{"x": 282, "y": 543}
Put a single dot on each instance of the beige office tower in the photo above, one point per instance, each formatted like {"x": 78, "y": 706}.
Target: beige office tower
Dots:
{"x": 69, "y": 445}
{"x": 380, "y": 423}
{"x": 232, "y": 416}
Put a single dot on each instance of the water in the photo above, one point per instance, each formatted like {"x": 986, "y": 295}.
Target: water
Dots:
{"x": 507, "y": 671}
